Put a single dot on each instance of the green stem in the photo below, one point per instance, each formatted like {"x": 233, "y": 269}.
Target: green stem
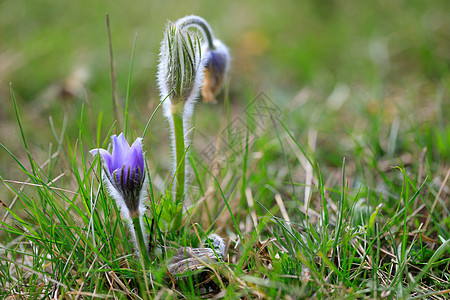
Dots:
{"x": 203, "y": 25}
{"x": 143, "y": 255}
{"x": 177, "y": 114}
{"x": 140, "y": 240}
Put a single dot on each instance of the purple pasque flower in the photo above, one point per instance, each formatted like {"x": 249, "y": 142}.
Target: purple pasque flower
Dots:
{"x": 217, "y": 63}
{"x": 123, "y": 171}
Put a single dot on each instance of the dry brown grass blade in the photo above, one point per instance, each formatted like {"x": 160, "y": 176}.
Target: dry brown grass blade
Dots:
{"x": 87, "y": 294}
{"x": 40, "y": 185}
{"x": 83, "y": 282}
{"x": 283, "y": 209}
{"x": 47, "y": 276}
{"x": 251, "y": 205}
{"x": 436, "y": 199}
{"x": 13, "y": 202}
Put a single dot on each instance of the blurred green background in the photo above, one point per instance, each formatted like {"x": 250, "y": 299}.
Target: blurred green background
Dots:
{"x": 351, "y": 72}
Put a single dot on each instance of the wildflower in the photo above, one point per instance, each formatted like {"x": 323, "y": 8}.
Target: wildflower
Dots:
{"x": 217, "y": 61}
{"x": 180, "y": 70}
{"x": 124, "y": 173}
{"x": 180, "y": 74}
{"x": 216, "y": 58}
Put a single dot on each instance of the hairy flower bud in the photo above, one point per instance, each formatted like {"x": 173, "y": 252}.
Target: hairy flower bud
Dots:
{"x": 180, "y": 70}
{"x": 217, "y": 63}
{"x": 216, "y": 242}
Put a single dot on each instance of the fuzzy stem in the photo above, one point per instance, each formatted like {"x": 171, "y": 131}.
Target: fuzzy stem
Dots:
{"x": 140, "y": 240}
{"x": 143, "y": 255}
{"x": 202, "y": 24}
{"x": 180, "y": 166}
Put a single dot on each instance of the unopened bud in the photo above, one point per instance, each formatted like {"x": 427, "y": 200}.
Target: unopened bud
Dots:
{"x": 180, "y": 70}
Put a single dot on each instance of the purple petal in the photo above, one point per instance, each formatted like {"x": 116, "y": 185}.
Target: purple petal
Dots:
{"x": 136, "y": 157}
{"x": 105, "y": 155}
{"x": 120, "y": 149}
{"x": 124, "y": 142}
{"x": 216, "y": 61}
{"x": 124, "y": 159}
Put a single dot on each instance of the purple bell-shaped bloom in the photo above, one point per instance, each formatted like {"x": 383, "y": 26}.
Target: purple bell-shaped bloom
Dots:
{"x": 217, "y": 63}
{"x": 124, "y": 172}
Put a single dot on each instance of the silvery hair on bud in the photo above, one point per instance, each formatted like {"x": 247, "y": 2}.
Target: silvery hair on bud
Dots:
{"x": 221, "y": 49}
{"x": 216, "y": 242}
{"x": 199, "y": 23}
{"x": 168, "y": 67}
